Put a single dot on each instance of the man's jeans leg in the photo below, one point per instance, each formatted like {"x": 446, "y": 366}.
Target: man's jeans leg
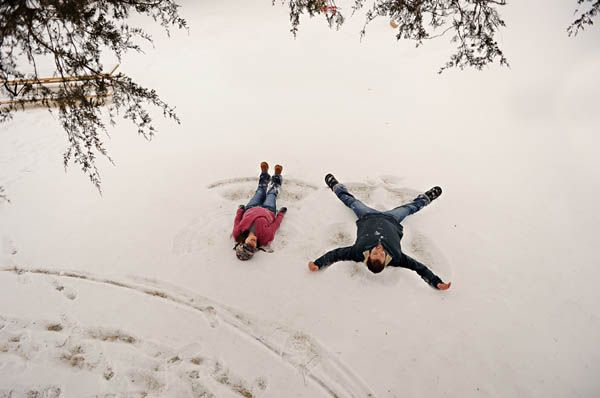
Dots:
{"x": 358, "y": 207}
{"x": 261, "y": 191}
{"x": 401, "y": 212}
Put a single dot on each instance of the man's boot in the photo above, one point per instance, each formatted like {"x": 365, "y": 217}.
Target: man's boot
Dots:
{"x": 433, "y": 193}
{"x": 331, "y": 181}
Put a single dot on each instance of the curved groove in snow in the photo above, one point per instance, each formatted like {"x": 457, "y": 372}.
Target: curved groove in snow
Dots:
{"x": 299, "y": 350}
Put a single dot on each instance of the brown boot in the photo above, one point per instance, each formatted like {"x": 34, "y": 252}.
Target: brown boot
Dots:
{"x": 278, "y": 169}
{"x": 264, "y": 167}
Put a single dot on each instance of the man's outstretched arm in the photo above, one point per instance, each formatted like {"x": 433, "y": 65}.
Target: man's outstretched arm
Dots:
{"x": 425, "y": 273}
{"x": 333, "y": 256}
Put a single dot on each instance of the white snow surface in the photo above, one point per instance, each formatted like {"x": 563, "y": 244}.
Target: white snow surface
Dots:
{"x": 137, "y": 293}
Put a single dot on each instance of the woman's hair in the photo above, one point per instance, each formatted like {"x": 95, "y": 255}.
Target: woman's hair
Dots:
{"x": 241, "y": 238}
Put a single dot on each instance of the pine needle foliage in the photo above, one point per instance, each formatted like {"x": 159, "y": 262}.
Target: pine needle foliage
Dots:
{"x": 471, "y": 25}
{"x": 585, "y": 18}
{"x": 75, "y": 35}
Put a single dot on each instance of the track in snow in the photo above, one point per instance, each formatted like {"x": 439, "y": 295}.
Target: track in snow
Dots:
{"x": 301, "y": 351}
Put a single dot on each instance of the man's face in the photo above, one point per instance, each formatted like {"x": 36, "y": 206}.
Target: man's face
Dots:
{"x": 251, "y": 241}
{"x": 378, "y": 254}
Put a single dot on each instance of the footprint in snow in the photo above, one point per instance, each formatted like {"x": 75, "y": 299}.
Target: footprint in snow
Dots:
{"x": 211, "y": 315}
{"x": 66, "y": 291}
{"x": 9, "y": 246}
{"x": 145, "y": 368}
{"x": 43, "y": 392}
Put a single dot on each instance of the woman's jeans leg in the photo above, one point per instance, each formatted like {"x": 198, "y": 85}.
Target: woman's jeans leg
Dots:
{"x": 261, "y": 191}
{"x": 271, "y": 200}
{"x": 401, "y": 212}
{"x": 358, "y": 207}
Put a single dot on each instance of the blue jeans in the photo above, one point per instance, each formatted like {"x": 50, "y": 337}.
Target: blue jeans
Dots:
{"x": 262, "y": 197}
{"x": 360, "y": 209}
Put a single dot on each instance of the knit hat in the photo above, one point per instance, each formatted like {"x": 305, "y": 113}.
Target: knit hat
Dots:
{"x": 243, "y": 252}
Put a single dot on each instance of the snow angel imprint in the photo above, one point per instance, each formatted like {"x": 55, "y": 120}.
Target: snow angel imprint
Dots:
{"x": 256, "y": 223}
{"x": 378, "y": 236}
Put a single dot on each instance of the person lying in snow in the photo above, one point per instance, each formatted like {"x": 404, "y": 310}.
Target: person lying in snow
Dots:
{"x": 378, "y": 236}
{"x": 256, "y": 223}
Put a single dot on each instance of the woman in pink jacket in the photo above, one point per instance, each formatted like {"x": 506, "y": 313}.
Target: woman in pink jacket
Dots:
{"x": 256, "y": 223}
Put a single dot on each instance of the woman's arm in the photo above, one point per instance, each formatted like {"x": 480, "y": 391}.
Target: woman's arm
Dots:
{"x": 236, "y": 223}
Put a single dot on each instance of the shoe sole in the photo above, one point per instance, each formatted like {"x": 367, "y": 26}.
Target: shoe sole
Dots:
{"x": 331, "y": 178}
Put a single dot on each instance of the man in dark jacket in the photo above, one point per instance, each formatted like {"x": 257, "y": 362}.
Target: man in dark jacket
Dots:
{"x": 378, "y": 236}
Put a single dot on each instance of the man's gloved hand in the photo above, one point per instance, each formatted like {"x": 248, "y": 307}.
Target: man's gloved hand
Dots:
{"x": 242, "y": 207}
{"x": 283, "y": 210}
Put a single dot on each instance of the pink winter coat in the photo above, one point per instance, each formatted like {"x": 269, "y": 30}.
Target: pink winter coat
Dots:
{"x": 264, "y": 220}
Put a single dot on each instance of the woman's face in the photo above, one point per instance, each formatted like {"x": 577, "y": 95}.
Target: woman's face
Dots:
{"x": 251, "y": 241}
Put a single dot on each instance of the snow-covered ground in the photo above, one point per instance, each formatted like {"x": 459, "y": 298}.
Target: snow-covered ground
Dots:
{"x": 137, "y": 293}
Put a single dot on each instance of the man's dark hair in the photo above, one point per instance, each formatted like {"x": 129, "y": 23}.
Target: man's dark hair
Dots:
{"x": 375, "y": 266}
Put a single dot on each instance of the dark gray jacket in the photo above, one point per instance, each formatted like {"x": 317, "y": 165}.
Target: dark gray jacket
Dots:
{"x": 373, "y": 229}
